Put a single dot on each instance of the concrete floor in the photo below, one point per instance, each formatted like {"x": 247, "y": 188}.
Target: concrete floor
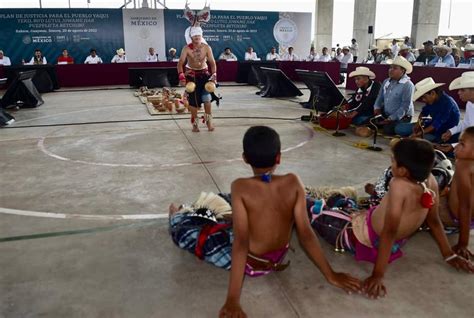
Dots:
{"x": 94, "y": 253}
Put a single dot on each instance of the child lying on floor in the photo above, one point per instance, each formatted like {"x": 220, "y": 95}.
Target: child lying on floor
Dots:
{"x": 376, "y": 235}
{"x": 265, "y": 207}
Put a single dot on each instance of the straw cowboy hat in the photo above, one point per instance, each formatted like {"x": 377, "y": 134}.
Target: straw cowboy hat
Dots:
{"x": 468, "y": 47}
{"x": 120, "y": 51}
{"x": 404, "y": 47}
{"x": 424, "y": 86}
{"x": 346, "y": 48}
{"x": 443, "y": 47}
{"x": 362, "y": 71}
{"x": 374, "y": 47}
{"x": 465, "y": 81}
{"x": 402, "y": 62}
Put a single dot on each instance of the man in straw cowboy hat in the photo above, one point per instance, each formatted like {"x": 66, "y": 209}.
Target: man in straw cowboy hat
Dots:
{"x": 469, "y": 54}
{"x": 465, "y": 87}
{"x": 441, "y": 107}
{"x": 362, "y": 102}
{"x": 461, "y": 193}
{"x": 372, "y": 56}
{"x": 394, "y": 101}
{"x": 443, "y": 56}
{"x": 405, "y": 52}
{"x": 120, "y": 57}
{"x": 198, "y": 54}
{"x": 172, "y": 57}
{"x": 386, "y": 55}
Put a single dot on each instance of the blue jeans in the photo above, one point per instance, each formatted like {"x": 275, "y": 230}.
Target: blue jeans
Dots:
{"x": 360, "y": 120}
{"x": 406, "y": 129}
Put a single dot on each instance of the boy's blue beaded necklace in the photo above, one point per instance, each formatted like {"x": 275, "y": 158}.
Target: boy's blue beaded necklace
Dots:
{"x": 265, "y": 177}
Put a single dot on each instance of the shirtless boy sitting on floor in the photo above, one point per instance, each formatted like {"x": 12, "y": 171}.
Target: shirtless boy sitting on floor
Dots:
{"x": 265, "y": 208}
{"x": 376, "y": 235}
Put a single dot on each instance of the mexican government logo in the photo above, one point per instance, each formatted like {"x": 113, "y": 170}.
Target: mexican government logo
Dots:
{"x": 285, "y": 31}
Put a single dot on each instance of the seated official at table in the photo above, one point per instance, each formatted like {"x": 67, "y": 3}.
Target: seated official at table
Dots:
{"x": 444, "y": 56}
{"x": 119, "y": 57}
{"x": 290, "y": 56}
{"x": 227, "y": 55}
{"x": 151, "y": 56}
{"x": 312, "y": 57}
{"x": 441, "y": 107}
{"x": 37, "y": 59}
{"x": 361, "y": 104}
{"x": 428, "y": 53}
{"x": 93, "y": 58}
{"x": 4, "y": 60}
{"x": 250, "y": 55}
{"x": 347, "y": 58}
{"x": 65, "y": 58}
{"x": 172, "y": 57}
{"x": 325, "y": 57}
{"x": 273, "y": 55}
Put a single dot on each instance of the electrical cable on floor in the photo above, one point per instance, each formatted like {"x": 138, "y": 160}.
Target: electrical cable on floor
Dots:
{"x": 146, "y": 120}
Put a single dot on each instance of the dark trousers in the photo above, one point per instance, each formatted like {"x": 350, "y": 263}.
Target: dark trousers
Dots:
{"x": 389, "y": 129}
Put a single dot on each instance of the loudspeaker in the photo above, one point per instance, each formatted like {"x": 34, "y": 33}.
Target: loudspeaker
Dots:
{"x": 23, "y": 92}
{"x": 371, "y": 29}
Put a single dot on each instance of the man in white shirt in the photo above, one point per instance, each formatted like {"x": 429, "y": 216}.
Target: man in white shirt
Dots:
{"x": 465, "y": 87}
{"x": 273, "y": 55}
{"x": 347, "y": 58}
{"x": 250, "y": 55}
{"x": 339, "y": 54}
{"x": 395, "y": 48}
{"x": 313, "y": 56}
{"x": 37, "y": 59}
{"x": 151, "y": 56}
{"x": 325, "y": 57}
{"x": 290, "y": 56}
{"x": 120, "y": 57}
{"x": 4, "y": 60}
{"x": 93, "y": 58}
{"x": 354, "y": 49}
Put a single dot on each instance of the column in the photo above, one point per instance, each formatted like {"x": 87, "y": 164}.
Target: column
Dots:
{"x": 323, "y": 24}
{"x": 425, "y": 23}
{"x": 364, "y": 16}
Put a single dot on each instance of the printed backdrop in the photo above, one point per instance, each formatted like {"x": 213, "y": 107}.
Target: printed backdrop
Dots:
{"x": 79, "y": 30}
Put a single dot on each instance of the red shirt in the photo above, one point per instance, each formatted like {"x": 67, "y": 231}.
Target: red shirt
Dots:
{"x": 68, "y": 60}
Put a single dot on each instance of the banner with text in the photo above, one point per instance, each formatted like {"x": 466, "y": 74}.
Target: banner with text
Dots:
{"x": 143, "y": 29}
{"x": 234, "y": 29}
{"x": 51, "y": 30}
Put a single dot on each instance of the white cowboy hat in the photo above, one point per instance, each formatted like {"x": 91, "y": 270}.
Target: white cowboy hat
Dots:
{"x": 404, "y": 47}
{"x": 402, "y": 62}
{"x": 172, "y": 49}
{"x": 374, "y": 47}
{"x": 469, "y": 47}
{"x": 120, "y": 51}
{"x": 424, "y": 86}
{"x": 465, "y": 81}
{"x": 362, "y": 71}
{"x": 346, "y": 48}
{"x": 443, "y": 47}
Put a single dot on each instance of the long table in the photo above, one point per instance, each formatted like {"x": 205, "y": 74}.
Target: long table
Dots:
{"x": 439, "y": 75}
{"x": 82, "y": 75}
